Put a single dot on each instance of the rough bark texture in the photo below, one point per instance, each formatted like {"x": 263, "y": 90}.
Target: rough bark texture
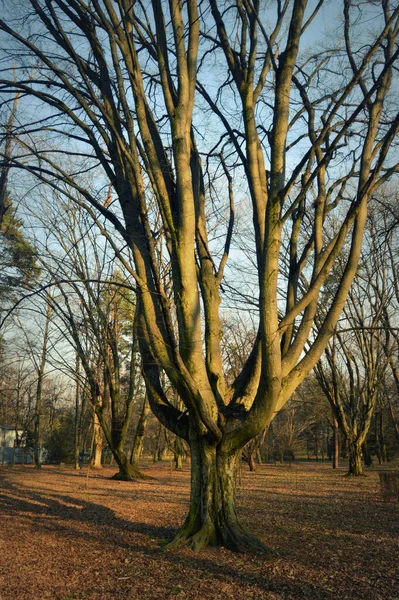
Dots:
{"x": 212, "y": 518}
{"x": 127, "y": 471}
{"x": 139, "y": 435}
{"x": 97, "y": 444}
{"x": 355, "y": 459}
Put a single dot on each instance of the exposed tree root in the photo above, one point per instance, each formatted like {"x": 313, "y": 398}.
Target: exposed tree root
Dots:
{"x": 238, "y": 540}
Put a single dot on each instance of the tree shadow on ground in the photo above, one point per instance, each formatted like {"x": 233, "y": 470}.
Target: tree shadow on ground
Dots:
{"x": 68, "y": 516}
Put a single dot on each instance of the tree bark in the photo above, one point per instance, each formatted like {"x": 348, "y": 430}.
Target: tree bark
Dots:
{"x": 368, "y": 460}
{"x": 212, "y": 517}
{"x": 139, "y": 435}
{"x": 251, "y": 462}
{"x": 127, "y": 471}
{"x": 355, "y": 458}
{"x": 37, "y": 453}
{"x": 97, "y": 445}
{"x": 76, "y": 441}
{"x": 335, "y": 456}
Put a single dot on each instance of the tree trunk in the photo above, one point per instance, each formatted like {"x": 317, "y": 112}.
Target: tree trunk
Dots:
{"x": 139, "y": 435}
{"x": 37, "y": 453}
{"x": 212, "y": 518}
{"x": 249, "y": 459}
{"x": 76, "y": 441}
{"x": 383, "y": 447}
{"x": 368, "y": 460}
{"x": 97, "y": 443}
{"x": 37, "y": 431}
{"x": 355, "y": 458}
{"x": 335, "y": 443}
{"x": 127, "y": 471}
{"x": 178, "y": 453}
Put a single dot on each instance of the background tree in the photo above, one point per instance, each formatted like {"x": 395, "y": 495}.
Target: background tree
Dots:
{"x": 95, "y": 307}
{"x": 128, "y": 90}
{"x": 353, "y": 374}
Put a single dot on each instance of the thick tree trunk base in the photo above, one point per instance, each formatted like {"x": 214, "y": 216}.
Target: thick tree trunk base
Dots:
{"x": 237, "y": 540}
{"x": 212, "y": 519}
{"x": 132, "y": 476}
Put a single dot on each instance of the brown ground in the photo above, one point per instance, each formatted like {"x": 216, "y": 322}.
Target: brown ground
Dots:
{"x": 66, "y": 535}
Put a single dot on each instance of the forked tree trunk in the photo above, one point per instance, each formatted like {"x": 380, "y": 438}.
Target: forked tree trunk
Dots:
{"x": 212, "y": 517}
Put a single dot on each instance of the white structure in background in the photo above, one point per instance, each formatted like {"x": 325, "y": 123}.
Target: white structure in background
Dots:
{"x": 11, "y": 446}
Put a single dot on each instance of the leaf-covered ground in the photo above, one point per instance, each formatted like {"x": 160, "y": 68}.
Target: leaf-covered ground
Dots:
{"x": 66, "y": 535}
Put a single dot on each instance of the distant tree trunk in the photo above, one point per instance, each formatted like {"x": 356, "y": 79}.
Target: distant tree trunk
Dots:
{"x": 316, "y": 444}
{"x": 160, "y": 448}
{"x": 381, "y": 435}
{"x": 393, "y": 418}
{"x": 251, "y": 462}
{"x": 76, "y": 441}
{"x": 368, "y": 460}
{"x": 37, "y": 458}
{"x": 138, "y": 441}
{"x": 335, "y": 453}
{"x": 115, "y": 438}
{"x": 97, "y": 444}
{"x": 178, "y": 453}
{"x": 252, "y": 449}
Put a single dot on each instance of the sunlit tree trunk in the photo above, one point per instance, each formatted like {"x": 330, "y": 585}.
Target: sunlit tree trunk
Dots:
{"x": 212, "y": 518}
{"x": 96, "y": 459}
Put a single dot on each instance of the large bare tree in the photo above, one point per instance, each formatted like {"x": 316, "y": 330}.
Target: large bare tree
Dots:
{"x": 179, "y": 105}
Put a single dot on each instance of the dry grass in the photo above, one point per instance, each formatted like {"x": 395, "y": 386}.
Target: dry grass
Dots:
{"x": 67, "y": 536}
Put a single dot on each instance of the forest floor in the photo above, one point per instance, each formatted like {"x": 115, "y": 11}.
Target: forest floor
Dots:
{"x": 67, "y": 535}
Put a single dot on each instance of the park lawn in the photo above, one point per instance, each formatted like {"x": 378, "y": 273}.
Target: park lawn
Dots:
{"x": 79, "y": 535}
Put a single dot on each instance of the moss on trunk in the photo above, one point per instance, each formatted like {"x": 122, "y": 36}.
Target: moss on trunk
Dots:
{"x": 212, "y": 518}
{"x": 355, "y": 459}
{"x": 127, "y": 471}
